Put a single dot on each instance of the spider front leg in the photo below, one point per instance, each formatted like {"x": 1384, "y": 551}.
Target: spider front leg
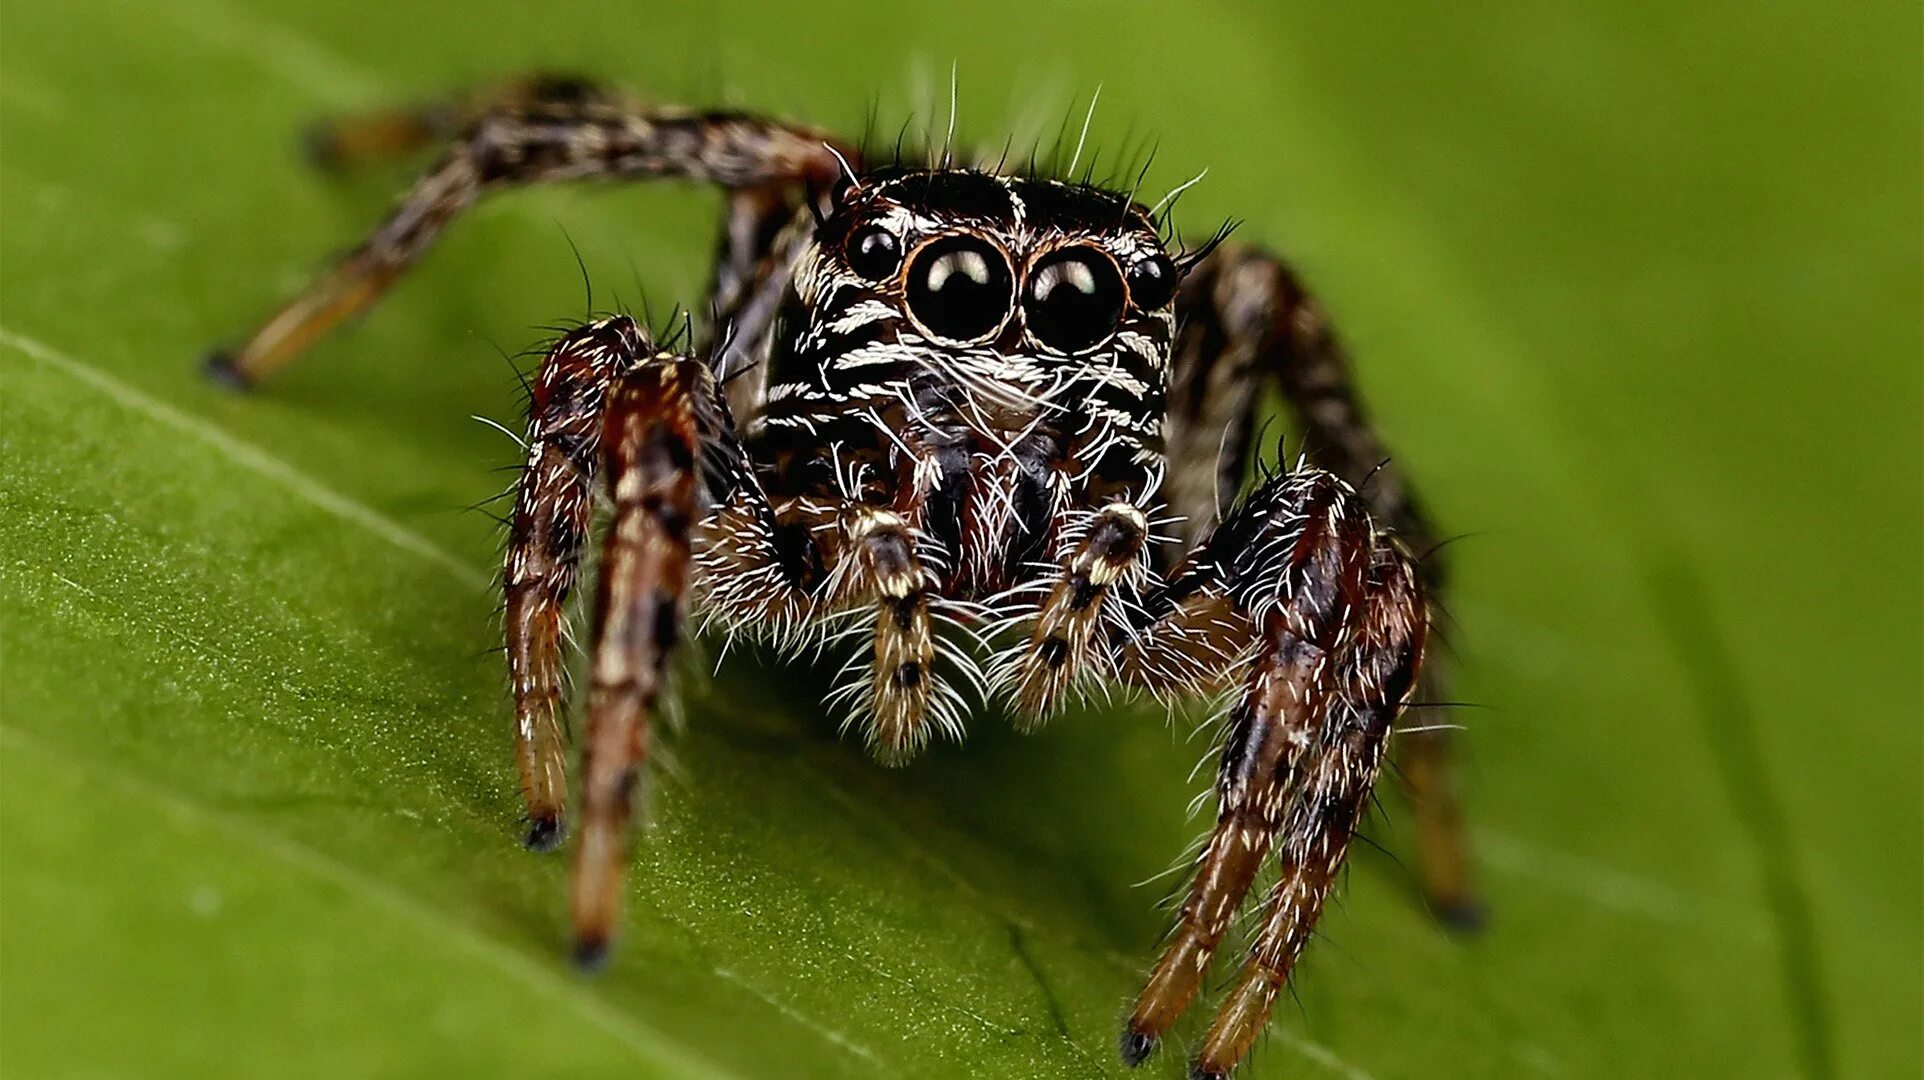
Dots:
{"x": 1336, "y": 621}
{"x": 524, "y": 139}
{"x": 1248, "y": 320}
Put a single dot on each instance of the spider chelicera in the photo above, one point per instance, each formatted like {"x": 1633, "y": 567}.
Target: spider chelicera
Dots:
{"x": 950, "y": 411}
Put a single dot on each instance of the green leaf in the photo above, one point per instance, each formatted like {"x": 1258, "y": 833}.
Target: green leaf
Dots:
{"x": 1634, "y": 293}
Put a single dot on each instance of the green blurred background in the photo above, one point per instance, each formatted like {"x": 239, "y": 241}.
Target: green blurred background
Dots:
{"x": 1635, "y": 291}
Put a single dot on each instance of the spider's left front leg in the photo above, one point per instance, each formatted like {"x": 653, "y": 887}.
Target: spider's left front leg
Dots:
{"x": 1336, "y": 620}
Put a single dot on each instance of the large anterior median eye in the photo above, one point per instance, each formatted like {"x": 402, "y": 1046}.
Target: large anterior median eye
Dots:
{"x": 959, "y": 288}
{"x": 1074, "y": 299}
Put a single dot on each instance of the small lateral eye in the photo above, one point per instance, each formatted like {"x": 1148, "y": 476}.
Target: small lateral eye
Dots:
{"x": 1152, "y": 282}
{"x": 959, "y": 287}
{"x": 874, "y": 252}
{"x": 1074, "y": 299}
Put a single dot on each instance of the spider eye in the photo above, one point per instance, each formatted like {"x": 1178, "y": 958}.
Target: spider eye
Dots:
{"x": 1074, "y": 299}
{"x": 1152, "y": 282}
{"x": 959, "y": 287}
{"x": 874, "y": 252}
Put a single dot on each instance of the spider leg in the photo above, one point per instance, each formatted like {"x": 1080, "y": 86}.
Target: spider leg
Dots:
{"x": 375, "y": 135}
{"x": 660, "y": 418}
{"x": 1066, "y": 640}
{"x": 1247, "y": 319}
{"x": 762, "y": 233}
{"x": 1374, "y": 673}
{"x": 1287, "y": 574}
{"x": 550, "y": 523}
{"x": 590, "y": 136}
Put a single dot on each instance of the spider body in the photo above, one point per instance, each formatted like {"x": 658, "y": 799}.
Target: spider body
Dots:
{"x": 947, "y": 414}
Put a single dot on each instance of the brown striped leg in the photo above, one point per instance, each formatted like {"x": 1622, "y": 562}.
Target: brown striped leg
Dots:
{"x": 591, "y": 137}
{"x": 1293, "y": 560}
{"x": 1374, "y": 673}
{"x": 551, "y": 514}
{"x": 377, "y": 135}
{"x": 652, "y": 445}
{"x": 1064, "y": 644}
{"x": 1247, "y": 320}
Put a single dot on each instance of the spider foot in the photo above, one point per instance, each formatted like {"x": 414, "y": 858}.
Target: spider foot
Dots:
{"x": 545, "y": 834}
{"x": 1464, "y": 915}
{"x": 590, "y": 953}
{"x": 221, "y": 369}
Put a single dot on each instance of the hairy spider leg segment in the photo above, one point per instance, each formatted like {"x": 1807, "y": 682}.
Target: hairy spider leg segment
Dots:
{"x": 1066, "y": 641}
{"x": 1246, "y": 318}
{"x": 884, "y": 551}
{"x": 544, "y": 141}
{"x": 552, "y": 510}
{"x": 378, "y": 135}
{"x": 1376, "y": 671}
{"x": 652, "y": 444}
{"x": 762, "y": 236}
{"x": 1295, "y": 558}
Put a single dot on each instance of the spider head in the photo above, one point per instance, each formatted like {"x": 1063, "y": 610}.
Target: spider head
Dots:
{"x": 1008, "y": 279}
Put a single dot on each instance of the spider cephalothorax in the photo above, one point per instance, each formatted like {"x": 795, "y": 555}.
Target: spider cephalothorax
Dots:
{"x": 981, "y": 358}
{"x": 945, "y": 414}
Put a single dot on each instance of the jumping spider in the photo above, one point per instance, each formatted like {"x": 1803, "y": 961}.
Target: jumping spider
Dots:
{"x": 946, "y": 408}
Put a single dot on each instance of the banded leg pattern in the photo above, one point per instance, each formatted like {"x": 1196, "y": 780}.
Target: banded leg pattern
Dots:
{"x": 1340, "y": 623}
{"x": 591, "y": 135}
{"x": 652, "y": 445}
{"x": 550, "y": 523}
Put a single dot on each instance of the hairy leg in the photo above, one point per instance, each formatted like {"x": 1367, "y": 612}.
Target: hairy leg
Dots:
{"x": 784, "y": 574}
{"x": 1247, "y": 321}
{"x": 376, "y": 135}
{"x": 589, "y": 136}
{"x": 1371, "y": 676}
{"x": 1292, "y": 561}
{"x": 661, "y": 417}
{"x": 762, "y": 233}
{"x": 567, "y": 414}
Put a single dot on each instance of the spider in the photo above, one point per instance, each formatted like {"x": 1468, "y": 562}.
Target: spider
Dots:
{"x": 948, "y": 411}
